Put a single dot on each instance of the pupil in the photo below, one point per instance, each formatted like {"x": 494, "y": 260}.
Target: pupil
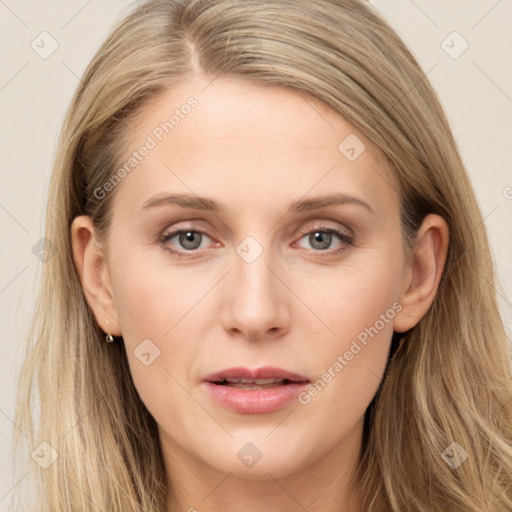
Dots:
{"x": 324, "y": 239}
{"x": 187, "y": 240}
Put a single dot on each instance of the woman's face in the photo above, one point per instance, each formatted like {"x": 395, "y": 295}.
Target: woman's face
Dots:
{"x": 246, "y": 270}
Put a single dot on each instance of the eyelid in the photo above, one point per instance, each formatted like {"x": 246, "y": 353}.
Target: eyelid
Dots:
{"x": 323, "y": 226}
{"x": 303, "y": 231}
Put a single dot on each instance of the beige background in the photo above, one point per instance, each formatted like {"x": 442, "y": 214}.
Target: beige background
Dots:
{"x": 475, "y": 88}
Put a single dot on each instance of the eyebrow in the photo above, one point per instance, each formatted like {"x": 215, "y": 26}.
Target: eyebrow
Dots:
{"x": 204, "y": 203}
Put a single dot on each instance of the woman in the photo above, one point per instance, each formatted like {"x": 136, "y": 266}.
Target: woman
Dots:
{"x": 263, "y": 292}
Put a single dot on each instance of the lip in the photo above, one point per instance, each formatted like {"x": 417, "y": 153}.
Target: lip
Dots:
{"x": 255, "y": 401}
{"x": 265, "y": 372}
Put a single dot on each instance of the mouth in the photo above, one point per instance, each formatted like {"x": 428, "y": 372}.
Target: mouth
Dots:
{"x": 254, "y": 391}
{"x": 258, "y": 378}
{"x": 255, "y": 384}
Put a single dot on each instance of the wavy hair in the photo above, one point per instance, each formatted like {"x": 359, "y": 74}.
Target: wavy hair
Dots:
{"x": 447, "y": 380}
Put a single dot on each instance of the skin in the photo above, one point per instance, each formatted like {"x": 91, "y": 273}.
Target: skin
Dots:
{"x": 298, "y": 306}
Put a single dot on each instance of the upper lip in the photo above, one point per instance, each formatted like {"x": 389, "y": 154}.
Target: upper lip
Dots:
{"x": 265, "y": 372}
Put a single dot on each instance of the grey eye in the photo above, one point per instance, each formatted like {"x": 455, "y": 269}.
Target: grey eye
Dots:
{"x": 320, "y": 239}
{"x": 190, "y": 239}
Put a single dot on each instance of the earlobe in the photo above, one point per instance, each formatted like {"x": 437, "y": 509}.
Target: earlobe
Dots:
{"x": 423, "y": 271}
{"x": 94, "y": 276}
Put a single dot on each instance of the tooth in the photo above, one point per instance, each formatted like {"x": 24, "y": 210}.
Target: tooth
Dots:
{"x": 267, "y": 381}
{"x": 252, "y": 381}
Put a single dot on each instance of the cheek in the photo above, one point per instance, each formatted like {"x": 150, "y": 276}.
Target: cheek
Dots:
{"x": 357, "y": 310}
{"x": 351, "y": 300}
{"x": 150, "y": 296}
{"x": 152, "y": 309}
{"x": 160, "y": 348}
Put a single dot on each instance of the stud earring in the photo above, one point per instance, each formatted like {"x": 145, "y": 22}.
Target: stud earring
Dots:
{"x": 109, "y": 336}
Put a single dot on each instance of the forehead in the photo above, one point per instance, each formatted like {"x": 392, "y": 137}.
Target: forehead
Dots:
{"x": 250, "y": 144}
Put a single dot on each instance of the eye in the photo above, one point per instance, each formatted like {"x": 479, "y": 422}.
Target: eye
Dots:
{"x": 188, "y": 240}
{"x": 321, "y": 238}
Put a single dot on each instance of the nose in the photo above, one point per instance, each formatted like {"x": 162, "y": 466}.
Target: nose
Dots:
{"x": 255, "y": 302}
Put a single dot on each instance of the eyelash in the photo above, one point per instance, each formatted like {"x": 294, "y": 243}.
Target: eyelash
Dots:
{"x": 344, "y": 237}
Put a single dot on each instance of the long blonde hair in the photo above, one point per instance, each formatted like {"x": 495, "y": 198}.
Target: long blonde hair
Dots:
{"x": 448, "y": 381}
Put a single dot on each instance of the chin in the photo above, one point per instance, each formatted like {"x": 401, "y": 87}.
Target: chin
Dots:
{"x": 258, "y": 460}
{"x": 262, "y": 470}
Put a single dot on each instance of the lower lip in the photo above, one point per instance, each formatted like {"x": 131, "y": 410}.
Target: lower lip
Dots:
{"x": 255, "y": 401}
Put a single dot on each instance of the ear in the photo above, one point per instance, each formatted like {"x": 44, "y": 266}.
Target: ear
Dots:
{"x": 94, "y": 276}
{"x": 422, "y": 272}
